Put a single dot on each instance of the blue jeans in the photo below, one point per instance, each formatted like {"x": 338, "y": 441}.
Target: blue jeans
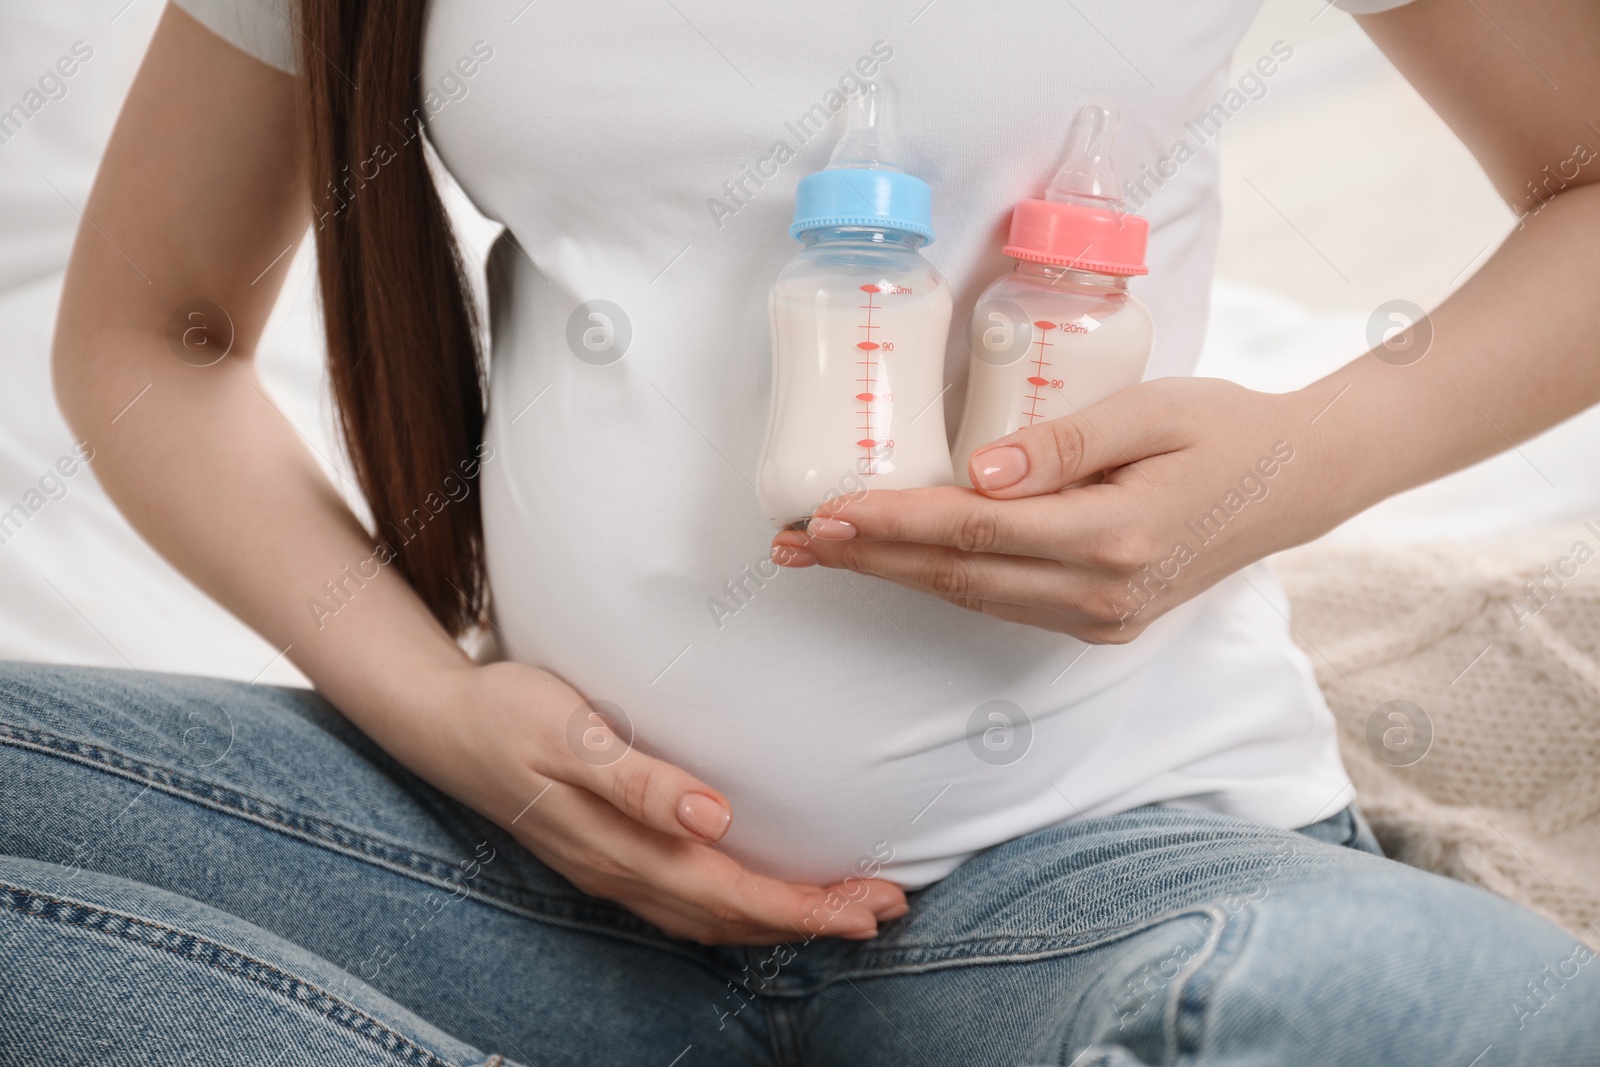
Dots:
{"x": 202, "y": 872}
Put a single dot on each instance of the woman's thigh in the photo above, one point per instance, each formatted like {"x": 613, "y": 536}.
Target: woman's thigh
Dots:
{"x": 266, "y": 805}
{"x": 103, "y": 970}
{"x": 1178, "y": 937}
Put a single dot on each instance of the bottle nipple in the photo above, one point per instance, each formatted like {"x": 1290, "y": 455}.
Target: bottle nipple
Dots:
{"x": 861, "y": 186}
{"x": 864, "y": 143}
{"x": 1086, "y": 177}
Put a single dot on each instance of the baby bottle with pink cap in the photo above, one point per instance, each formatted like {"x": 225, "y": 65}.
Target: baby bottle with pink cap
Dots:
{"x": 1061, "y": 331}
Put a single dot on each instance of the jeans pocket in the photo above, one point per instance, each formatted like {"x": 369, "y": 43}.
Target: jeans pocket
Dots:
{"x": 1347, "y": 829}
{"x": 1362, "y": 838}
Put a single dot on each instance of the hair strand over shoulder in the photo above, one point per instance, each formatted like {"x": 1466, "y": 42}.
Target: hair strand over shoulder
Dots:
{"x": 403, "y": 344}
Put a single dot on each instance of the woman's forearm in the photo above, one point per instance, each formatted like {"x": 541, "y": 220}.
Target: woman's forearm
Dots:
{"x": 217, "y": 479}
{"x": 1514, "y": 351}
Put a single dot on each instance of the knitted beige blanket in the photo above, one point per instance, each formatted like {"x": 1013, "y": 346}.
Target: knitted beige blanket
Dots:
{"x": 1466, "y": 682}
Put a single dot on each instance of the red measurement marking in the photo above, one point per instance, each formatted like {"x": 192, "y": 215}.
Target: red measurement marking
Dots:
{"x": 869, "y": 378}
{"x": 1037, "y": 379}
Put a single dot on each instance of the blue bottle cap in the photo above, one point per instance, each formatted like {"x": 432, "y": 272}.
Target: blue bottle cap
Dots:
{"x": 863, "y": 197}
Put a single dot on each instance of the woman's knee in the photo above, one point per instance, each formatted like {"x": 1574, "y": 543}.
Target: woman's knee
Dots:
{"x": 1382, "y": 957}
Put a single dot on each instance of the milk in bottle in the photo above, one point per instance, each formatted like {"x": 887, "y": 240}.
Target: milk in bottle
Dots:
{"x": 859, "y": 323}
{"x": 1061, "y": 331}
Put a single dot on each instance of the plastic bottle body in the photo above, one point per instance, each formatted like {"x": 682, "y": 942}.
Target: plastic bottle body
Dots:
{"x": 859, "y": 324}
{"x": 1048, "y": 342}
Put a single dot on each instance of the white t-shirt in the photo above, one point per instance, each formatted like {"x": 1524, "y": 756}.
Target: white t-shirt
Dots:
{"x": 846, "y": 718}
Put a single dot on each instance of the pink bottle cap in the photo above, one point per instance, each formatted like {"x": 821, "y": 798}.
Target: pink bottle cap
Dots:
{"x": 1080, "y": 222}
{"x": 1084, "y": 238}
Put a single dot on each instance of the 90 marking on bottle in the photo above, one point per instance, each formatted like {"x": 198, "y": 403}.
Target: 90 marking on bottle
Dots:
{"x": 1037, "y": 380}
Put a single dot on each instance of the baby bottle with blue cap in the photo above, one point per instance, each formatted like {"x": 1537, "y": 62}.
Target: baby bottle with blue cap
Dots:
{"x": 859, "y": 324}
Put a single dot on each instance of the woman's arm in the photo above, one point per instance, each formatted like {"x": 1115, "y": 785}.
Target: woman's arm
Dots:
{"x": 1517, "y": 348}
{"x": 200, "y": 189}
{"x": 1203, "y": 476}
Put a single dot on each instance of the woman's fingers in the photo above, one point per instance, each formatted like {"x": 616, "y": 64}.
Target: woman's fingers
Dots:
{"x": 593, "y": 755}
{"x": 961, "y": 577}
{"x": 1126, "y": 427}
{"x": 733, "y": 895}
{"x": 1034, "y": 592}
{"x": 693, "y": 889}
{"x": 1042, "y": 526}
{"x": 885, "y": 900}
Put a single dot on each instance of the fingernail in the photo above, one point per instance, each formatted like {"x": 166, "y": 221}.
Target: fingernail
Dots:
{"x": 894, "y": 912}
{"x": 792, "y": 556}
{"x": 998, "y": 468}
{"x": 830, "y": 529}
{"x": 866, "y": 935}
{"x": 706, "y": 816}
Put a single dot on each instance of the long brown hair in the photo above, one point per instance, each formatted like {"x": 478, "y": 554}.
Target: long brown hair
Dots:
{"x": 403, "y": 343}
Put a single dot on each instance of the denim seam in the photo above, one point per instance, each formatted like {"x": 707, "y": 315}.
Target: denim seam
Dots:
{"x": 206, "y": 952}
{"x": 324, "y": 833}
{"x": 909, "y": 959}
{"x": 1196, "y": 990}
{"x": 1024, "y": 950}
{"x": 783, "y": 1030}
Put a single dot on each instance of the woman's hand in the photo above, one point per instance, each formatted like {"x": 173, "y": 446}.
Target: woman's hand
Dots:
{"x": 1188, "y": 480}
{"x": 525, "y": 750}
{"x": 1512, "y": 353}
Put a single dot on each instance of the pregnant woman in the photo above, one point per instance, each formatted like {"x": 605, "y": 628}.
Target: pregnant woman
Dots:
{"x": 989, "y": 776}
